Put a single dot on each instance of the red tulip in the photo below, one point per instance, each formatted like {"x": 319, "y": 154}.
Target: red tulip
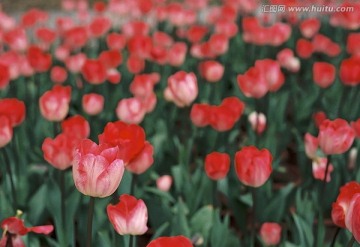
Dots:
{"x": 177, "y": 54}
{"x": 340, "y": 208}
{"x": 200, "y": 114}
{"x": 352, "y": 217}
{"x": 143, "y": 160}
{"x": 353, "y": 40}
{"x": 58, "y": 74}
{"x": 323, "y": 44}
{"x": 164, "y": 183}
{"x": 13, "y": 109}
{"x": 130, "y": 110}
{"x": 54, "y": 104}
{"x": 4, "y": 76}
{"x": 356, "y": 127}
{"x": 6, "y": 131}
{"x": 111, "y": 58}
{"x": 288, "y": 61}
{"x": 113, "y": 76}
{"x": 59, "y": 151}
{"x": 319, "y": 169}
{"x": 99, "y": 26}
{"x": 219, "y": 43}
{"x": 140, "y": 46}
{"x": 94, "y": 71}
{"x": 76, "y": 37}
{"x": 116, "y": 41}
{"x": 323, "y": 74}
{"x": 304, "y": 48}
{"x": 14, "y": 228}
{"x": 16, "y": 39}
{"x": 97, "y": 170}
{"x": 129, "y": 138}
{"x": 46, "y": 35}
{"x": 217, "y": 165}
{"x": 93, "y": 103}
{"x": 39, "y": 60}
{"x": 309, "y": 27}
{"x": 142, "y": 85}
{"x": 75, "y": 63}
{"x": 182, "y": 88}
{"x": 135, "y": 64}
{"x": 253, "y": 166}
{"x": 270, "y": 233}
{"x": 222, "y": 118}
{"x": 177, "y": 241}
{"x": 335, "y": 137}
{"x": 76, "y": 126}
{"x": 211, "y": 70}
{"x": 319, "y": 117}
{"x": 129, "y": 216}
{"x": 350, "y": 71}
{"x": 196, "y": 33}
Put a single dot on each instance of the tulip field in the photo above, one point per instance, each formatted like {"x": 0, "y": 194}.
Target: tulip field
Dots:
{"x": 157, "y": 123}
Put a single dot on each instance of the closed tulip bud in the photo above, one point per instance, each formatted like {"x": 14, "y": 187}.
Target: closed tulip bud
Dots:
{"x": 6, "y": 131}
{"x": 253, "y": 166}
{"x": 270, "y": 233}
{"x": 130, "y": 110}
{"x": 340, "y": 208}
{"x": 129, "y": 216}
{"x": 164, "y": 183}
{"x": 54, "y": 104}
{"x": 335, "y": 137}
{"x": 177, "y": 241}
{"x": 352, "y": 218}
{"x": 258, "y": 122}
{"x": 217, "y": 165}
{"x": 212, "y": 71}
{"x": 93, "y": 103}
{"x": 319, "y": 169}
{"x": 97, "y": 170}
{"x": 323, "y": 74}
{"x": 76, "y": 126}
{"x": 182, "y": 88}
{"x": 59, "y": 151}
{"x": 311, "y": 145}
{"x": 143, "y": 160}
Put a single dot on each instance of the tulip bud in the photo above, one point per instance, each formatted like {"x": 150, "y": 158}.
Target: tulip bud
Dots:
{"x": 217, "y": 165}
{"x": 258, "y": 122}
{"x": 129, "y": 216}
{"x": 164, "y": 183}
{"x": 211, "y": 70}
{"x": 270, "y": 233}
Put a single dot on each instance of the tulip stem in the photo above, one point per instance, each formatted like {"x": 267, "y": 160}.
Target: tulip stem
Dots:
{"x": 351, "y": 242}
{"x": 323, "y": 187}
{"x": 253, "y": 223}
{"x": 89, "y": 221}
{"x": 215, "y": 201}
{"x": 335, "y": 236}
{"x": 133, "y": 183}
{"x": 132, "y": 241}
{"x": 12, "y": 185}
{"x": 62, "y": 191}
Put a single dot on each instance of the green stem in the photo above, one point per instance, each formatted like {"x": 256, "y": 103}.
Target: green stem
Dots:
{"x": 12, "y": 185}
{"x": 323, "y": 187}
{"x": 351, "y": 242}
{"x": 215, "y": 201}
{"x": 253, "y": 222}
{"x": 132, "y": 242}
{"x": 335, "y": 236}
{"x": 62, "y": 191}
{"x": 133, "y": 183}
{"x": 90, "y": 221}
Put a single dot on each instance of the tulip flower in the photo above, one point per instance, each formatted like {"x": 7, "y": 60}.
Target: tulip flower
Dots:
{"x": 311, "y": 145}
{"x": 253, "y": 166}
{"x": 352, "y": 217}
{"x": 335, "y": 137}
{"x": 4, "y": 76}
{"x": 54, "y": 104}
{"x": 270, "y": 233}
{"x": 14, "y": 228}
{"x": 211, "y": 70}
{"x": 143, "y": 160}
{"x": 59, "y": 152}
{"x": 340, "y": 208}
{"x": 76, "y": 126}
{"x": 128, "y": 216}
{"x": 217, "y": 165}
{"x": 164, "y": 183}
{"x": 182, "y": 88}
{"x": 177, "y": 241}
{"x": 13, "y": 109}
{"x": 319, "y": 117}
{"x": 323, "y": 74}
{"x": 130, "y": 110}
{"x": 97, "y": 171}
{"x": 257, "y": 122}
{"x": 6, "y": 131}
{"x": 309, "y": 27}
{"x": 93, "y": 103}
{"x": 94, "y": 71}
{"x": 319, "y": 169}
{"x": 200, "y": 114}
{"x": 356, "y": 127}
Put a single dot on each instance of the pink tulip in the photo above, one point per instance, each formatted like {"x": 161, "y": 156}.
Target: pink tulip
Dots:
{"x": 352, "y": 218}
{"x": 6, "y": 131}
{"x": 129, "y": 216}
{"x": 319, "y": 169}
{"x": 97, "y": 171}
{"x": 164, "y": 183}
{"x": 130, "y": 110}
{"x": 93, "y": 103}
{"x": 335, "y": 137}
{"x": 182, "y": 88}
{"x": 311, "y": 145}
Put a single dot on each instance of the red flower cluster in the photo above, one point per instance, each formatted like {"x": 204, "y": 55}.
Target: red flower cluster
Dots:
{"x": 221, "y": 118}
